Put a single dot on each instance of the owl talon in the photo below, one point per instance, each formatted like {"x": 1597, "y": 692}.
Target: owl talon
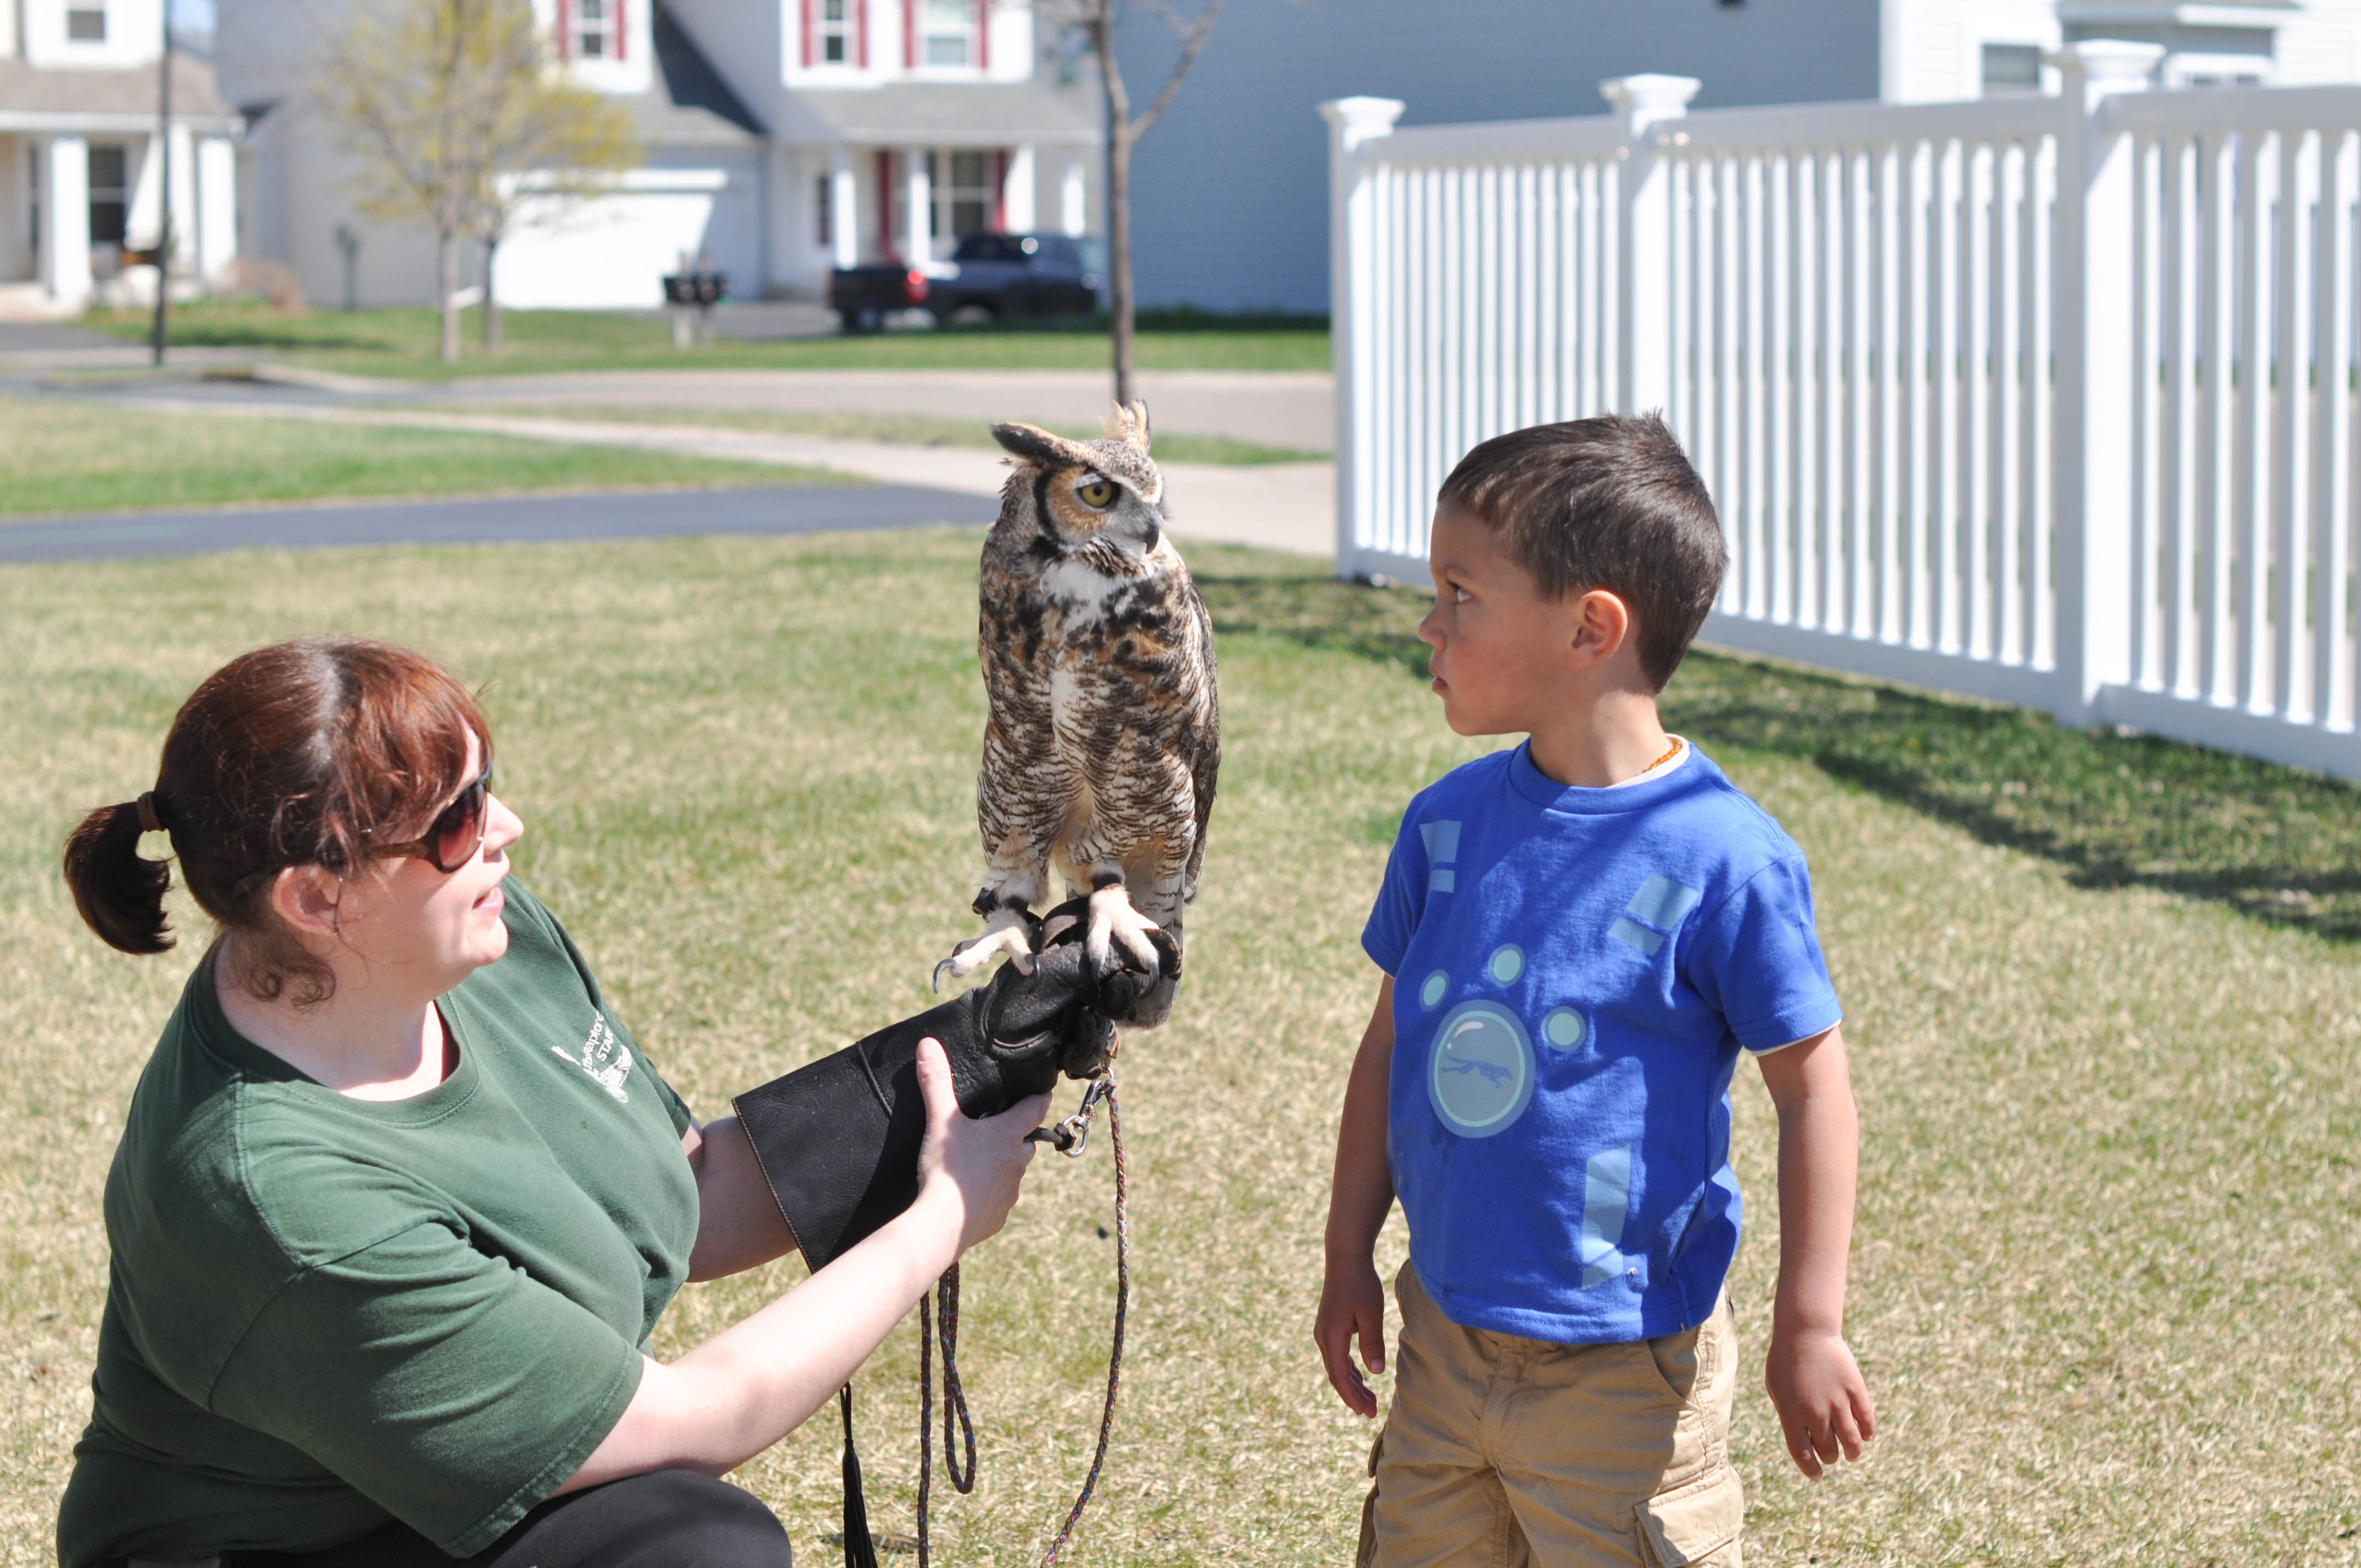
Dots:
{"x": 1114, "y": 923}
{"x": 1007, "y": 933}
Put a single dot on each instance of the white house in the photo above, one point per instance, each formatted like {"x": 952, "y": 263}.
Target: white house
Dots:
{"x": 1206, "y": 237}
{"x": 80, "y": 178}
{"x": 784, "y": 137}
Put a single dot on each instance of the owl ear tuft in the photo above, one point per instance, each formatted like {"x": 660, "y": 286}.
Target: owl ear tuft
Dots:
{"x": 1128, "y": 424}
{"x": 1036, "y": 444}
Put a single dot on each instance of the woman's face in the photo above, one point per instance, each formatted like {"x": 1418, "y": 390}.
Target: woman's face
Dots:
{"x": 421, "y": 929}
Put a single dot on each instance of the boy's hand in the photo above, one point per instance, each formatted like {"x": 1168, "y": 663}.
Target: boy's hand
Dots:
{"x": 1822, "y": 1400}
{"x": 1352, "y": 1303}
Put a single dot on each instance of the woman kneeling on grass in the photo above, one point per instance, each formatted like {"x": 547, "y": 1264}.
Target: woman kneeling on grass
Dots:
{"x": 398, "y": 1201}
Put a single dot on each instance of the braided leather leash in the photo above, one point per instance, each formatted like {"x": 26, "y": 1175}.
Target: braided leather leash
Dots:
{"x": 1071, "y": 1138}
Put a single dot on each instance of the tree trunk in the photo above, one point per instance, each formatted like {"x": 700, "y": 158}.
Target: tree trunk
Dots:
{"x": 446, "y": 283}
{"x": 492, "y": 299}
{"x": 1118, "y": 221}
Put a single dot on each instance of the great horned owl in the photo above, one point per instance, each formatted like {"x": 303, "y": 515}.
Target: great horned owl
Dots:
{"x": 1103, "y": 737}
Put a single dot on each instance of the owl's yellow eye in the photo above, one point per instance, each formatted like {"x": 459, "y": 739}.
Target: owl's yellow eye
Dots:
{"x": 1098, "y": 493}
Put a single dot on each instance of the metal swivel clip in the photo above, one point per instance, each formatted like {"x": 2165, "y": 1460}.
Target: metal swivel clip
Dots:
{"x": 1073, "y": 1134}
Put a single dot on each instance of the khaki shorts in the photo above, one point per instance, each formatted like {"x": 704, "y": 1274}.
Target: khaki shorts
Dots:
{"x": 1502, "y": 1451}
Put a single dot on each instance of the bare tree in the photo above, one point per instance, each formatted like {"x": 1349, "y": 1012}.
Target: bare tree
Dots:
{"x": 463, "y": 122}
{"x": 1092, "y": 23}
{"x": 559, "y": 145}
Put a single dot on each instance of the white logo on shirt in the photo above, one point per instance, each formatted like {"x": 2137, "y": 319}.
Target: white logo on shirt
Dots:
{"x": 603, "y": 1057}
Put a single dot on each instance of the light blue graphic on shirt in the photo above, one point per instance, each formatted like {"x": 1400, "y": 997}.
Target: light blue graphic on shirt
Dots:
{"x": 1569, "y": 1007}
{"x": 1481, "y": 1073}
{"x": 1565, "y": 1028}
{"x": 1441, "y": 849}
{"x": 1606, "y": 1207}
{"x": 1661, "y": 902}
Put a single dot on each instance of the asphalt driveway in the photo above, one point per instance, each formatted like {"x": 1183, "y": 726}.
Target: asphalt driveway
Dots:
{"x": 635, "y": 514}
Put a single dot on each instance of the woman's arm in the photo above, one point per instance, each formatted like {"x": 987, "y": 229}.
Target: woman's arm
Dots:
{"x": 749, "y": 1386}
{"x": 738, "y": 1221}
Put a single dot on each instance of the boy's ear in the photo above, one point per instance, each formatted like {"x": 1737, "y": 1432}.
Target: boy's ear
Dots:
{"x": 1602, "y": 623}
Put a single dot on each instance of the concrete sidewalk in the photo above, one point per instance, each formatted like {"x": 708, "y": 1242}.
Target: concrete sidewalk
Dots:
{"x": 1279, "y": 506}
{"x": 1294, "y": 409}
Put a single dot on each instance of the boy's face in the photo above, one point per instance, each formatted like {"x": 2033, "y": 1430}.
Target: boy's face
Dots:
{"x": 1499, "y": 645}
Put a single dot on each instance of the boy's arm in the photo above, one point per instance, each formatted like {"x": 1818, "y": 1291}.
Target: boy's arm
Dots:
{"x": 1814, "y": 1382}
{"x": 1351, "y": 1302}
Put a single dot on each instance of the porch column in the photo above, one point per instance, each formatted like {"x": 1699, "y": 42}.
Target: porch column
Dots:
{"x": 1018, "y": 209}
{"x": 215, "y": 229}
{"x": 844, "y": 209}
{"x": 918, "y": 192}
{"x": 183, "y": 197}
{"x": 65, "y": 219}
{"x": 1073, "y": 201}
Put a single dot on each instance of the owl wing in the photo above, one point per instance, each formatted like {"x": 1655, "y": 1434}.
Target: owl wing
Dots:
{"x": 1205, "y": 762}
{"x": 1025, "y": 786}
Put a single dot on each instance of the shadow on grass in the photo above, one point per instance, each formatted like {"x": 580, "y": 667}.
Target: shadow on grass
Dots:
{"x": 234, "y": 335}
{"x": 2272, "y": 842}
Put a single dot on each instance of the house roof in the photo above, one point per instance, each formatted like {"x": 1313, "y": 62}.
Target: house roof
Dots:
{"x": 690, "y": 105}
{"x": 950, "y": 113}
{"x": 73, "y": 100}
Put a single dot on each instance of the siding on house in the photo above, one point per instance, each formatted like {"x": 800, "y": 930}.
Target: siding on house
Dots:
{"x": 1934, "y": 48}
{"x": 1230, "y": 207}
{"x": 2321, "y": 43}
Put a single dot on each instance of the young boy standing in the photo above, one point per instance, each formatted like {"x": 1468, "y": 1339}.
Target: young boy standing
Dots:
{"x": 1579, "y": 938}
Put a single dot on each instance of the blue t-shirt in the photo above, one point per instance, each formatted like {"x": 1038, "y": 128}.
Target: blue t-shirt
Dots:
{"x": 1575, "y": 973}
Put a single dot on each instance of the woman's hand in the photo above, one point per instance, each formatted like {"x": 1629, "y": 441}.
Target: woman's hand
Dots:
{"x": 978, "y": 1165}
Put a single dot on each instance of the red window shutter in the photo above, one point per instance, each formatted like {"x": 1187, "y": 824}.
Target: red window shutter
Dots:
{"x": 807, "y": 34}
{"x": 565, "y": 29}
{"x": 983, "y": 35}
{"x": 616, "y": 19}
{"x": 909, "y": 34}
{"x": 860, "y": 16}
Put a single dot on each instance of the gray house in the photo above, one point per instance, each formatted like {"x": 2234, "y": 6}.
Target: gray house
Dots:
{"x": 1230, "y": 208}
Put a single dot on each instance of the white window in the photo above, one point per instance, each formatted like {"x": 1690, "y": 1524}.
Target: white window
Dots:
{"x": 965, "y": 200}
{"x": 597, "y": 31}
{"x": 86, "y": 22}
{"x": 835, "y": 31}
{"x": 947, "y": 28}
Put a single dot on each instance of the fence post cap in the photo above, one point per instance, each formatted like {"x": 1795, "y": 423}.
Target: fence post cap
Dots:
{"x": 1377, "y": 114}
{"x": 1356, "y": 120}
{"x": 1640, "y": 101}
{"x": 2120, "y": 61}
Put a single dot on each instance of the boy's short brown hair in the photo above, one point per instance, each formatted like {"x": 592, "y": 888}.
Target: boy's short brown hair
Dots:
{"x": 1608, "y": 502}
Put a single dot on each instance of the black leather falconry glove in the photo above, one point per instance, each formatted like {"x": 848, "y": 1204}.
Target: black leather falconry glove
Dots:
{"x": 837, "y": 1140}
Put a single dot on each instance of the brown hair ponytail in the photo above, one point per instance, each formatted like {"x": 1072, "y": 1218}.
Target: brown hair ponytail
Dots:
{"x": 296, "y": 754}
{"x": 119, "y": 890}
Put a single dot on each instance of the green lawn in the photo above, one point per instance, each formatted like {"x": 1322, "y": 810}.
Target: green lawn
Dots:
{"x": 60, "y": 455}
{"x": 402, "y": 343}
{"x": 908, "y": 430}
{"x": 2111, "y": 1080}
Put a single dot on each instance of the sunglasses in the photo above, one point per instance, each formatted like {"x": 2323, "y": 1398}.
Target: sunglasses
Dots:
{"x": 452, "y": 839}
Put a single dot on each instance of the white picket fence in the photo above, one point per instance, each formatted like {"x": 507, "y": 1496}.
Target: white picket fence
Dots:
{"x": 2048, "y": 400}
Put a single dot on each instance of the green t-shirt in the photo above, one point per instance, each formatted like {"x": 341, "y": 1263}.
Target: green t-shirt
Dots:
{"x": 327, "y": 1312}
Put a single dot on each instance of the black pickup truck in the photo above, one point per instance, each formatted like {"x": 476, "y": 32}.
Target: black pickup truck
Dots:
{"x": 988, "y": 277}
